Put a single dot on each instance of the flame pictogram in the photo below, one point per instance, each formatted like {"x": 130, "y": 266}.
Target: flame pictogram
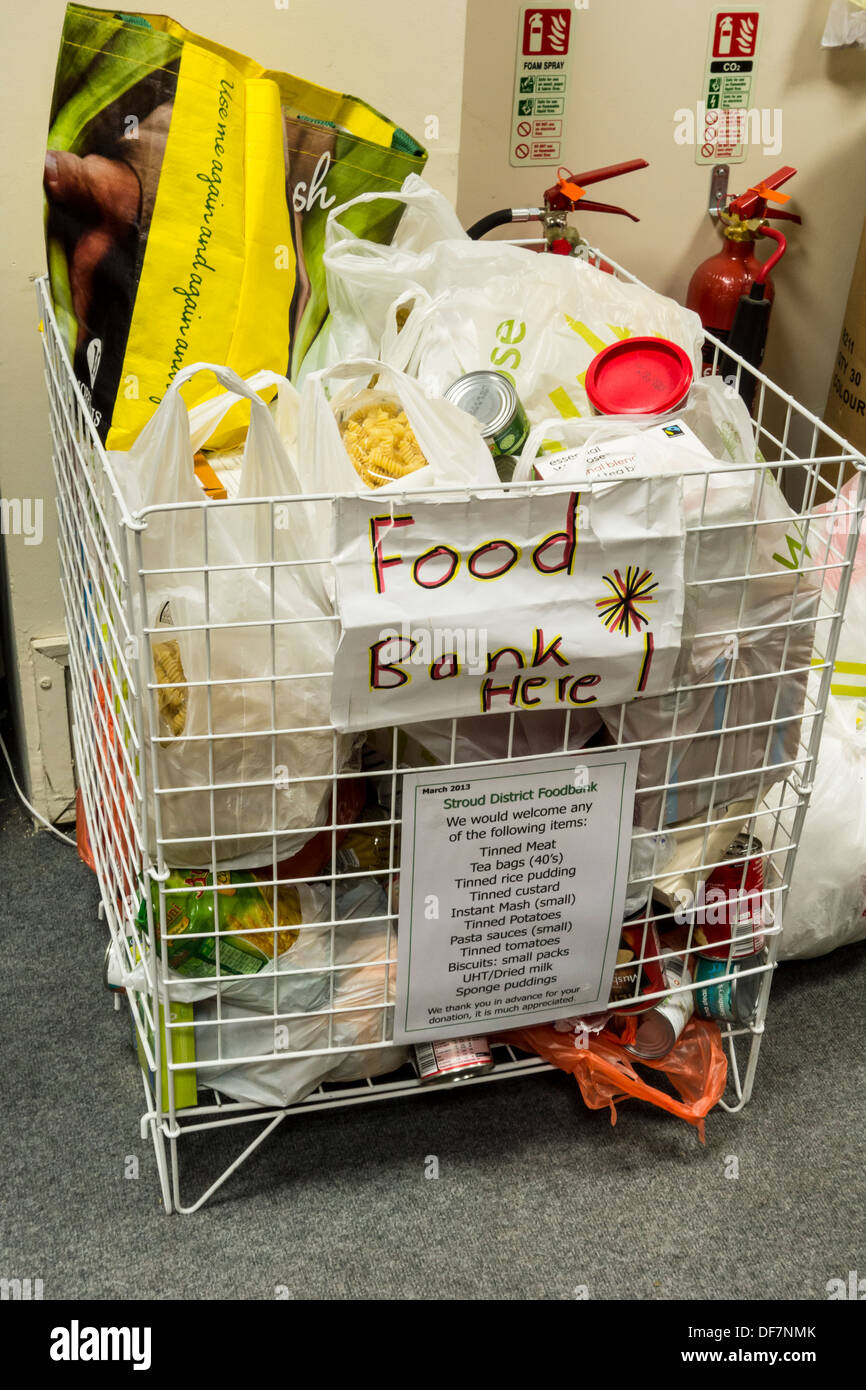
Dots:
{"x": 558, "y": 32}
{"x": 746, "y": 35}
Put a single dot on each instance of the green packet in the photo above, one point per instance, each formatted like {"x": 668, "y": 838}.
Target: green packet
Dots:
{"x": 236, "y": 903}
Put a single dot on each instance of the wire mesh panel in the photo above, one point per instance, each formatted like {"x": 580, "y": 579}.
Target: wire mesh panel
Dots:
{"x": 248, "y": 852}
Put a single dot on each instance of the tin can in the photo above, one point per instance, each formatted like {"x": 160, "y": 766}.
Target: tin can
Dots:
{"x": 630, "y": 968}
{"x": 639, "y": 376}
{"x": 732, "y": 1001}
{"x": 490, "y": 398}
{"x": 452, "y": 1060}
{"x": 661, "y": 1025}
{"x": 738, "y": 900}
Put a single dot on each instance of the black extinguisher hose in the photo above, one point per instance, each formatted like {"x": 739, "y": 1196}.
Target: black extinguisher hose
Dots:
{"x": 486, "y": 224}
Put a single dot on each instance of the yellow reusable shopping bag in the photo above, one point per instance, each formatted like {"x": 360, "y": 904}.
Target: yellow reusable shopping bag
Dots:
{"x": 187, "y": 189}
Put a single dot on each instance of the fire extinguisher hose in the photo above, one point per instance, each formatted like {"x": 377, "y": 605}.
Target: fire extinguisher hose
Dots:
{"x": 771, "y": 261}
{"x": 502, "y": 218}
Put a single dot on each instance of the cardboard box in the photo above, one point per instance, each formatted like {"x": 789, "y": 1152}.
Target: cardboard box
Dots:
{"x": 846, "y": 400}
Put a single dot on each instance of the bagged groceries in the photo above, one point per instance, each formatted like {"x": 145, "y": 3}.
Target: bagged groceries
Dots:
{"x": 364, "y": 287}
{"x": 440, "y": 552}
{"x": 477, "y": 305}
{"x": 836, "y": 521}
{"x": 187, "y": 189}
{"x": 393, "y": 436}
{"x": 750, "y": 606}
{"x": 216, "y": 580}
{"x": 826, "y": 904}
{"x": 309, "y": 1006}
{"x": 329, "y": 991}
{"x": 238, "y": 903}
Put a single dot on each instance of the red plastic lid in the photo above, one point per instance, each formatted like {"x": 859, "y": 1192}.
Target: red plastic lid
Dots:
{"x": 639, "y": 376}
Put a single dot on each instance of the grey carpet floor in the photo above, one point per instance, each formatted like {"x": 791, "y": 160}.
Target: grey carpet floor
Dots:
{"x": 536, "y": 1196}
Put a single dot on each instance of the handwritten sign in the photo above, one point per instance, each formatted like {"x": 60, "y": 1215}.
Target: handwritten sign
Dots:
{"x": 539, "y": 599}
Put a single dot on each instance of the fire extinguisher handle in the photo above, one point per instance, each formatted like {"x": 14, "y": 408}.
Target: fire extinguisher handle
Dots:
{"x": 588, "y": 205}
{"x": 610, "y": 171}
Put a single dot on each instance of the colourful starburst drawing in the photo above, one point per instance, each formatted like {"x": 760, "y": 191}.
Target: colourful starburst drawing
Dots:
{"x": 618, "y": 610}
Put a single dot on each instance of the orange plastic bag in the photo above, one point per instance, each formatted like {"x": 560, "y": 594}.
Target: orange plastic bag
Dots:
{"x": 696, "y": 1066}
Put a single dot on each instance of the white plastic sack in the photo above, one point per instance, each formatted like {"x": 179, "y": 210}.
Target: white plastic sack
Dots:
{"x": 826, "y": 902}
{"x": 448, "y": 438}
{"x": 364, "y": 278}
{"x": 360, "y": 990}
{"x": 849, "y": 673}
{"x": 315, "y": 903}
{"x": 846, "y": 24}
{"x": 539, "y": 318}
{"x": 778, "y": 604}
{"x": 764, "y": 686}
{"x": 210, "y": 574}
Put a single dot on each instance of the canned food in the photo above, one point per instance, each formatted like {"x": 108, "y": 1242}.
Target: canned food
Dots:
{"x": 729, "y": 920}
{"x": 452, "y": 1060}
{"x": 661, "y": 1025}
{"x": 490, "y": 398}
{"x": 631, "y": 970}
{"x": 639, "y": 376}
{"x": 732, "y": 1001}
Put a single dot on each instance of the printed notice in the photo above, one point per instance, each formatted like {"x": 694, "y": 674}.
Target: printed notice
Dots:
{"x": 540, "y": 84}
{"x": 512, "y": 889}
{"x": 727, "y": 90}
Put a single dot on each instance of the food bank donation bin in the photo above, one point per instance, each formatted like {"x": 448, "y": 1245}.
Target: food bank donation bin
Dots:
{"x": 266, "y": 875}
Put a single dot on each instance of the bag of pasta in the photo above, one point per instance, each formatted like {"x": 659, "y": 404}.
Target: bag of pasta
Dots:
{"x": 380, "y": 430}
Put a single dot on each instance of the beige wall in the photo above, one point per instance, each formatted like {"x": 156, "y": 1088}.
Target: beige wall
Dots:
{"x": 636, "y": 62}
{"x": 403, "y": 56}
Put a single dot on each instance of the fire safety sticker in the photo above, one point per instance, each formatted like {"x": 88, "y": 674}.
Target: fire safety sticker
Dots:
{"x": 540, "y": 84}
{"x": 722, "y": 129}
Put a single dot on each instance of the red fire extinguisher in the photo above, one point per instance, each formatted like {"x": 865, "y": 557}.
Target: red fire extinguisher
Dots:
{"x": 719, "y": 283}
{"x": 565, "y": 196}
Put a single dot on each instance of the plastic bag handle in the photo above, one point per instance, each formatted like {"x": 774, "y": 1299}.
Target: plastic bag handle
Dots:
{"x": 529, "y": 452}
{"x": 215, "y": 408}
{"x": 175, "y": 478}
{"x": 397, "y": 345}
{"x": 419, "y": 195}
{"x": 228, "y": 379}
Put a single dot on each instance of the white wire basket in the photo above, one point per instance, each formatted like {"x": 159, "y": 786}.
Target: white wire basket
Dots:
{"x": 321, "y": 1019}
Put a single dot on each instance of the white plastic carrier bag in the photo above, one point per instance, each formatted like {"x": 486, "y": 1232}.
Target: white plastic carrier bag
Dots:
{"x": 752, "y": 583}
{"x": 826, "y": 905}
{"x": 486, "y": 305}
{"x": 333, "y": 991}
{"x": 241, "y": 640}
{"x": 449, "y": 440}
